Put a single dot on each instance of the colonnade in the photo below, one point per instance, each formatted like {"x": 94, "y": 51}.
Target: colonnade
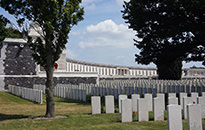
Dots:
{"x": 110, "y": 70}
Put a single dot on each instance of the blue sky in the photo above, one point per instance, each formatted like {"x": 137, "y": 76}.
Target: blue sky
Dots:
{"x": 103, "y": 36}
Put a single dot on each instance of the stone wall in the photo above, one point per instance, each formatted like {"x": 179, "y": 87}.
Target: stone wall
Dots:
{"x": 28, "y": 82}
{"x": 18, "y": 60}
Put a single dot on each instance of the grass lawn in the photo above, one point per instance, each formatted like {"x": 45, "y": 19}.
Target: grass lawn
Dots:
{"x": 19, "y": 114}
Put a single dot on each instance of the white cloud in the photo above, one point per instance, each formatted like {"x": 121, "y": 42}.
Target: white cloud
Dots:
{"x": 70, "y": 54}
{"x": 74, "y": 33}
{"x": 108, "y": 34}
{"x": 89, "y": 4}
{"x": 120, "y": 2}
{"x": 86, "y": 2}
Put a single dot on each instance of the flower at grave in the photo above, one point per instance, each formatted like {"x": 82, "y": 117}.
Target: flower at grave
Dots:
{"x": 194, "y": 102}
{"x": 134, "y": 112}
{"x": 56, "y": 66}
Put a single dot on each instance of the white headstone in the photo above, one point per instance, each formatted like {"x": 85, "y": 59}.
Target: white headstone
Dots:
{"x": 172, "y": 100}
{"x": 181, "y": 96}
{"x": 174, "y": 117}
{"x": 186, "y": 101}
{"x": 148, "y": 97}
{"x": 162, "y": 99}
{"x": 143, "y": 112}
{"x": 194, "y": 116}
{"x": 134, "y": 101}
{"x": 96, "y": 105}
{"x": 171, "y": 95}
{"x": 126, "y": 114}
{"x": 203, "y": 94}
{"x": 119, "y": 101}
{"x": 194, "y": 94}
{"x": 158, "y": 109}
{"x": 109, "y": 104}
{"x": 201, "y": 101}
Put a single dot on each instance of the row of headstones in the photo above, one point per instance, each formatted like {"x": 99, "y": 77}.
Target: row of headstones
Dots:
{"x": 73, "y": 93}
{"x": 33, "y": 95}
{"x": 67, "y": 91}
{"x": 165, "y": 86}
{"x": 149, "y": 83}
{"x": 144, "y": 105}
{"x": 40, "y": 87}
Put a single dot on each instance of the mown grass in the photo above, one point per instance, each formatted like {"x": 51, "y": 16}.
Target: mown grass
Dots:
{"x": 20, "y": 114}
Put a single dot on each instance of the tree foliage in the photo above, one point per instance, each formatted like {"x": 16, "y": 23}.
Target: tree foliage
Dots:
{"x": 3, "y": 22}
{"x": 55, "y": 18}
{"x": 168, "y": 31}
{"x": 9, "y": 31}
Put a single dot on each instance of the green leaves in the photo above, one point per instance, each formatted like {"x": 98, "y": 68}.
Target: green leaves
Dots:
{"x": 55, "y": 17}
{"x": 169, "y": 29}
{"x": 3, "y": 22}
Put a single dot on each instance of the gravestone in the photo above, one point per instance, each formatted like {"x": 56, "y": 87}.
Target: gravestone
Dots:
{"x": 95, "y": 104}
{"x": 134, "y": 101}
{"x": 84, "y": 95}
{"x": 181, "y": 96}
{"x": 171, "y": 95}
{"x": 109, "y": 104}
{"x": 126, "y": 114}
{"x": 143, "y": 112}
{"x": 186, "y": 101}
{"x": 201, "y": 101}
{"x": 119, "y": 101}
{"x": 162, "y": 99}
{"x": 174, "y": 117}
{"x": 193, "y": 94}
{"x": 194, "y": 116}
{"x": 203, "y": 94}
{"x": 148, "y": 97}
{"x": 172, "y": 100}
{"x": 158, "y": 109}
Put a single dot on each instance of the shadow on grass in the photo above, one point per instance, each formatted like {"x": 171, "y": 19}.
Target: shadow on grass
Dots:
{"x": 10, "y": 117}
{"x": 64, "y": 100}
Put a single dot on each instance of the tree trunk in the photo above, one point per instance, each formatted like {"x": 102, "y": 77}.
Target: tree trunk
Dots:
{"x": 170, "y": 69}
{"x": 49, "y": 92}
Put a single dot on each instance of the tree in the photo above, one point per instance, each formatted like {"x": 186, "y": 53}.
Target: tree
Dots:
{"x": 3, "y": 22}
{"x": 168, "y": 31}
{"x": 55, "y": 18}
{"x": 10, "y": 31}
